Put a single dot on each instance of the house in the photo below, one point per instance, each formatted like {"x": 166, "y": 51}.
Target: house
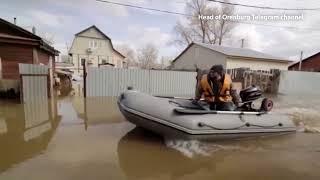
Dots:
{"x": 311, "y": 63}
{"x": 18, "y": 45}
{"x": 205, "y": 55}
{"x": 96, "y": 48}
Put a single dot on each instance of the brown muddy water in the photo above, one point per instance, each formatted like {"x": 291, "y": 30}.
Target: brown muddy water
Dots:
{"x": 61, "y": 140}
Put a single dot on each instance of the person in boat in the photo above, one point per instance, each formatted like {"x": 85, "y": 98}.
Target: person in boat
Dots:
{"x": 216, "y": 87}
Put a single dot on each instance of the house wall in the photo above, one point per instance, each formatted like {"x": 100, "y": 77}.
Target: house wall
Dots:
{"x": 101, "y": 50}
{"x": 255, "y": 64}
{"x": 43, "y": 57}
{"x": 11, "y": 55}
{"x": 204, "y": 58}
{"x": 311, "y": 64}
{"x": 118, "y": 60}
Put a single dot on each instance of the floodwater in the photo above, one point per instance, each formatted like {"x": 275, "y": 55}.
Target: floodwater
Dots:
{"x": 71, "y": 138}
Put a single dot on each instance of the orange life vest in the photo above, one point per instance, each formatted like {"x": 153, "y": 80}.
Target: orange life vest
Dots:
{"x": 224, "y": 92}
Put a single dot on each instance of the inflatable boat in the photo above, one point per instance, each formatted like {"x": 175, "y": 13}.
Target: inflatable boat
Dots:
{"x": 181, "y": 119}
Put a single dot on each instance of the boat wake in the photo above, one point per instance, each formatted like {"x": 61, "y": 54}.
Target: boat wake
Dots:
{"x": 189, "y": 148}
{"x": 306, "y": 119}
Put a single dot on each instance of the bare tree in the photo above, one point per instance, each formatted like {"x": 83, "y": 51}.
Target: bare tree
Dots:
{"x": 200, "y": 29}
{"x": 47, "y": 37}
{"x": 165, "y": 61}
{"x": 183, "y": 33}
{"x": 147, "y": 56}
{"x": 224, "y": 27}
{"x": 198, "y": 8}
{"x": 129, "y": 53}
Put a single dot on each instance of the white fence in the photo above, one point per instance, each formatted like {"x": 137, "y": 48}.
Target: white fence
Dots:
{"x": 113, "y": 81}
{"x": 296, "y": 82}
{"x": 34, "y": 85}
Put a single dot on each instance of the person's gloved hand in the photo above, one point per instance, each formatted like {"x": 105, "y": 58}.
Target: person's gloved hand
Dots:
{"x": 195, "y": 102}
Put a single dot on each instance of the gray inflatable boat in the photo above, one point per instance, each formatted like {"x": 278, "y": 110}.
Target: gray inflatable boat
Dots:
{"x": 180, "y": 119}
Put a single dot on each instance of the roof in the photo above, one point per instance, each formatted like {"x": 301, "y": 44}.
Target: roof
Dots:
{"x": 9, "y": 36}
{"x": 106, "y": 64}
{"x": 94, "y": 27}
{"x": 306, "y": 59}
{"x": 103, "y": 34}
{"x": 235, "y": 52}
{"x": 58, "y": 71}
{"x": 31, "y": 36}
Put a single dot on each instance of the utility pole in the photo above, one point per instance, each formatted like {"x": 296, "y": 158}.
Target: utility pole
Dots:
{"x": 300, "y": 63}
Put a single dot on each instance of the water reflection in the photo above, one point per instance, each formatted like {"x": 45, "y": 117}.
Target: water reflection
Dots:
{"x": 143, "y": 155}
{"x": 25, "y": 131}
{"x": 97, "y": 110}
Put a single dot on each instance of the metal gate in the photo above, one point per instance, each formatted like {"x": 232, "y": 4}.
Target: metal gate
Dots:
{"x": 34, "y": 82}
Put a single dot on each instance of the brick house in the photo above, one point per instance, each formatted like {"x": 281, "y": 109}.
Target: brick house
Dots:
{"x": 311, "y": 63}
{"x": 18, "y": 45}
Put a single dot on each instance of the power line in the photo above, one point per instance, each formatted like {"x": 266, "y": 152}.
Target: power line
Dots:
{"x": 265, "y": 7}
{"x": 189, "y": 15}
{"x": 144, "y": 8}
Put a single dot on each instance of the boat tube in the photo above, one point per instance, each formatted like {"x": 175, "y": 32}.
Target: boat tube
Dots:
{"x": 181, "y": 119}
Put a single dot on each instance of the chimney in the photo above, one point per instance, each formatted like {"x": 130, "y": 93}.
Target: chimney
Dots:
{"x": 33, "y": 30}
{"x": 15, "y": 20}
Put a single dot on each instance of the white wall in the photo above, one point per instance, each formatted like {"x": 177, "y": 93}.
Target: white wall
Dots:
{"x": 233, "y": 63}
{"x": 204, "y": 58}
{"x": 297, "y": 82}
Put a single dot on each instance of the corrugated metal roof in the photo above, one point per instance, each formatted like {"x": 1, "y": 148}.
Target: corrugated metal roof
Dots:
{"x": 240, "y": 52}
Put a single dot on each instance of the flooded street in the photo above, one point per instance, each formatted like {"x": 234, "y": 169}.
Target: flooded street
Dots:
{"x": 64, "y": 140}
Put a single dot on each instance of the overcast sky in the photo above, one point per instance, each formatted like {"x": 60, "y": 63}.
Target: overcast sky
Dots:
{"x": 64, "y": 18}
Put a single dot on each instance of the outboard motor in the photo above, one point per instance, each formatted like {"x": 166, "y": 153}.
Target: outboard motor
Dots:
{"x": 251, "y": 94}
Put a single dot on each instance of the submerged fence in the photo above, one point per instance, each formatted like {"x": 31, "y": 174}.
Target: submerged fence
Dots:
{"x": 34, "y": 82}
{"x": 113, "y": 81}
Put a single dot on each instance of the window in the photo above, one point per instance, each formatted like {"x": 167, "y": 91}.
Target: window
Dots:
{"x": 90, "y": 62}
{"x": 104, "y": 61}
{"x": 93, "y": 44}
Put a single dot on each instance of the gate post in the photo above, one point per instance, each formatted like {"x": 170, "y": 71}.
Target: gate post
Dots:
{"x": 83, "y": 63}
